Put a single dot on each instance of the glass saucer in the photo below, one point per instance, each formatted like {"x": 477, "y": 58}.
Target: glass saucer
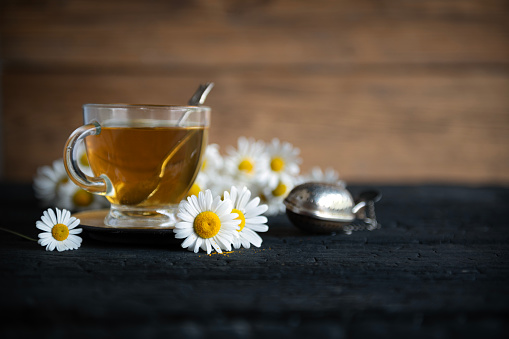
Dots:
{"x": 93, "y": 225}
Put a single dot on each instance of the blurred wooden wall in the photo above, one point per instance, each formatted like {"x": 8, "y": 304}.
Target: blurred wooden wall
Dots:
{"x": 382, "y": 91}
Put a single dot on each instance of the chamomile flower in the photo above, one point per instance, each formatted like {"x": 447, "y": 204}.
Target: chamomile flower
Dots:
{"x": 83, "y": 160}
{"x": 207, "y": 223}
{"x": 284, "y": 161}
{"x": 47, "y": 181}
{"x": 328, "y": 176}
{"x": 248, "y": 162}
{"x": 74, "y": 198}
{"x": 274, "y": 197}
{"x": 251, "y": 220}
{"x": 220, "y": 183}
{"x": 200, "y": 184}
{"x": 212, "y": 160}
{"x": 59, "y": 230}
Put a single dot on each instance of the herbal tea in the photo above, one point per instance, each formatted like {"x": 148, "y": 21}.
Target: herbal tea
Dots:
{"x": 148, "y": 166}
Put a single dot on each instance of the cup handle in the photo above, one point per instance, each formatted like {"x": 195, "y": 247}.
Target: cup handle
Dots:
{"x": 98, "y": 185}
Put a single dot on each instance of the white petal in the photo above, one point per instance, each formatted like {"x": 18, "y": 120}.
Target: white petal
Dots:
{"x": 233, "y": 195}
{"x": 44, "y": 235}
{"x": 244, "y": 199}
{"x": 223, "y": 243}
{"x": 77, "y": 239}
{"x": 236, "y": 243}
{"x": 189, "y": 209}
{"x": 252, "y": 237}
{"x": 42, "y": 226}
{"x": 253, "y": 212}
{"x": 183, "y": 224}
{"x": 72, "y": 243}
{"x": 226, "y": 195}
{"x": 183, "y": 233}
{"x": 60, "y": 246}
{"x": 75, "y": 231}
{"x": 215, "y": 203}
{"x": 46, "y": 241}
{"x": 214, "y": 244}
{"x": 73, "y": 222}
{"x": 52, "y": 216}
{"x": 224, "y": 207}
{"x": 46, "y": 219}
{"x": 66, "y": 216}
{"x": 257, "y": 227}
{"x": 195, "y": 203}
{"x": 252, "y": 204}
{"x": 230, "y": 218}
{"x": 201, "y": 202}
{"x": 227, "y": 236}
{"x": 245, "y": 243}
{"x": 229, "y": 226}
{"x": 208, "y": 199}
{"x": 197, "y": 245}
{"x": 208, "y": 246}
{"x": 59, "y": 216}
{"x": 203, "y": 245}
{"x": 189, "y": 241}
{"x": 257, "y": 220}
{"x": 51, "y": 245}
{"x": 185, "y": 217}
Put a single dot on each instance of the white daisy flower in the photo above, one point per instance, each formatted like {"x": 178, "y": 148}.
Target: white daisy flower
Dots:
{"x": 317, "y": 175}
{"x": 248, "y": 162}
{"x": 274, "y": 197}
{"x": 72, "y": 197}
{"x": 59, "y": 230}
{"x": 83, "y": 160}
{"x": 206, "y": 223}
{"x": 47, "y": 181}
{"x": 200, "y": 184}
{"x": 212, "y": 160}
{"x": 220, "y": 183}
{"x": 284, "y": 161}
{"x": 251, "y": 220}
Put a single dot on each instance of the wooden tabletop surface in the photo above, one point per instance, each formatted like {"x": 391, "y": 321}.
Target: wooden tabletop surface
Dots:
{"x": 437, "y": 268}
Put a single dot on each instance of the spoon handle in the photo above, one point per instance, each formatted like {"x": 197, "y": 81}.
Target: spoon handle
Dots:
{"x": 201, "y": 93}
{"x": 197, "y": 99}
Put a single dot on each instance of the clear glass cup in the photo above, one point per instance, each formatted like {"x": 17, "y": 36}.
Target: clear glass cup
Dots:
{"x": 145, "y": 159}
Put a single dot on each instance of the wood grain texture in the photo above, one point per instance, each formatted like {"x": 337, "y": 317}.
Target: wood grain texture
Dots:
{"x": 436, "y": 269}
{"x": 385, "y": 91}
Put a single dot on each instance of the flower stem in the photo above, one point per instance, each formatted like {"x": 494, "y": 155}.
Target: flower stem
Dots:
{"x": 18, "y": 234}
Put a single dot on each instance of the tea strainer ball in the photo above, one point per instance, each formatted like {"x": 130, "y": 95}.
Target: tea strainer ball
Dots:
{"x": 318, "y": 207}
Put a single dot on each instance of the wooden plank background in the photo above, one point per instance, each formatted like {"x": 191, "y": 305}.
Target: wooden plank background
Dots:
{"x": 382, "y": 91}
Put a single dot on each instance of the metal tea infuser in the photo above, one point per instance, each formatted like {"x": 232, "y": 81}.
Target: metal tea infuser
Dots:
{"x": 326, "y": 208}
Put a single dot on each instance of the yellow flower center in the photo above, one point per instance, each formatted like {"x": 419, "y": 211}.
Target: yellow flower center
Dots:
{"x": 277, "y": 164}
{"x": 84, "y": 160}
{"x": 246, "y": 166}
{"x": 63, "y": 180}
{"x": 82, "y": 198}
{"x": 241, "y": 217}
{"x": 195, "y": 189}
{"x": 279, "y": 190}
{"x": 60, "y": 232}
{"x": 206, "y": 224}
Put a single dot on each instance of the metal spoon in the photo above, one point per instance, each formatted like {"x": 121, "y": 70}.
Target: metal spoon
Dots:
{"x": 147, "y": 189}
{"x": 325, "y": 208}
{"x": 197, "y": 99}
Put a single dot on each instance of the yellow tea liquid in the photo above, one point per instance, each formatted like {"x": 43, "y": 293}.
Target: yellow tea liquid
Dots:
{"x": 148, "y": 166}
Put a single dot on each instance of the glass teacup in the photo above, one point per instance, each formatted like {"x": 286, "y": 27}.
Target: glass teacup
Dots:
{"x": 145, "y": 159}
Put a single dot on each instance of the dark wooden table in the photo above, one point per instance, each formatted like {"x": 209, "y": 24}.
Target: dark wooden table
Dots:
{"x": 438, "y": 268}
